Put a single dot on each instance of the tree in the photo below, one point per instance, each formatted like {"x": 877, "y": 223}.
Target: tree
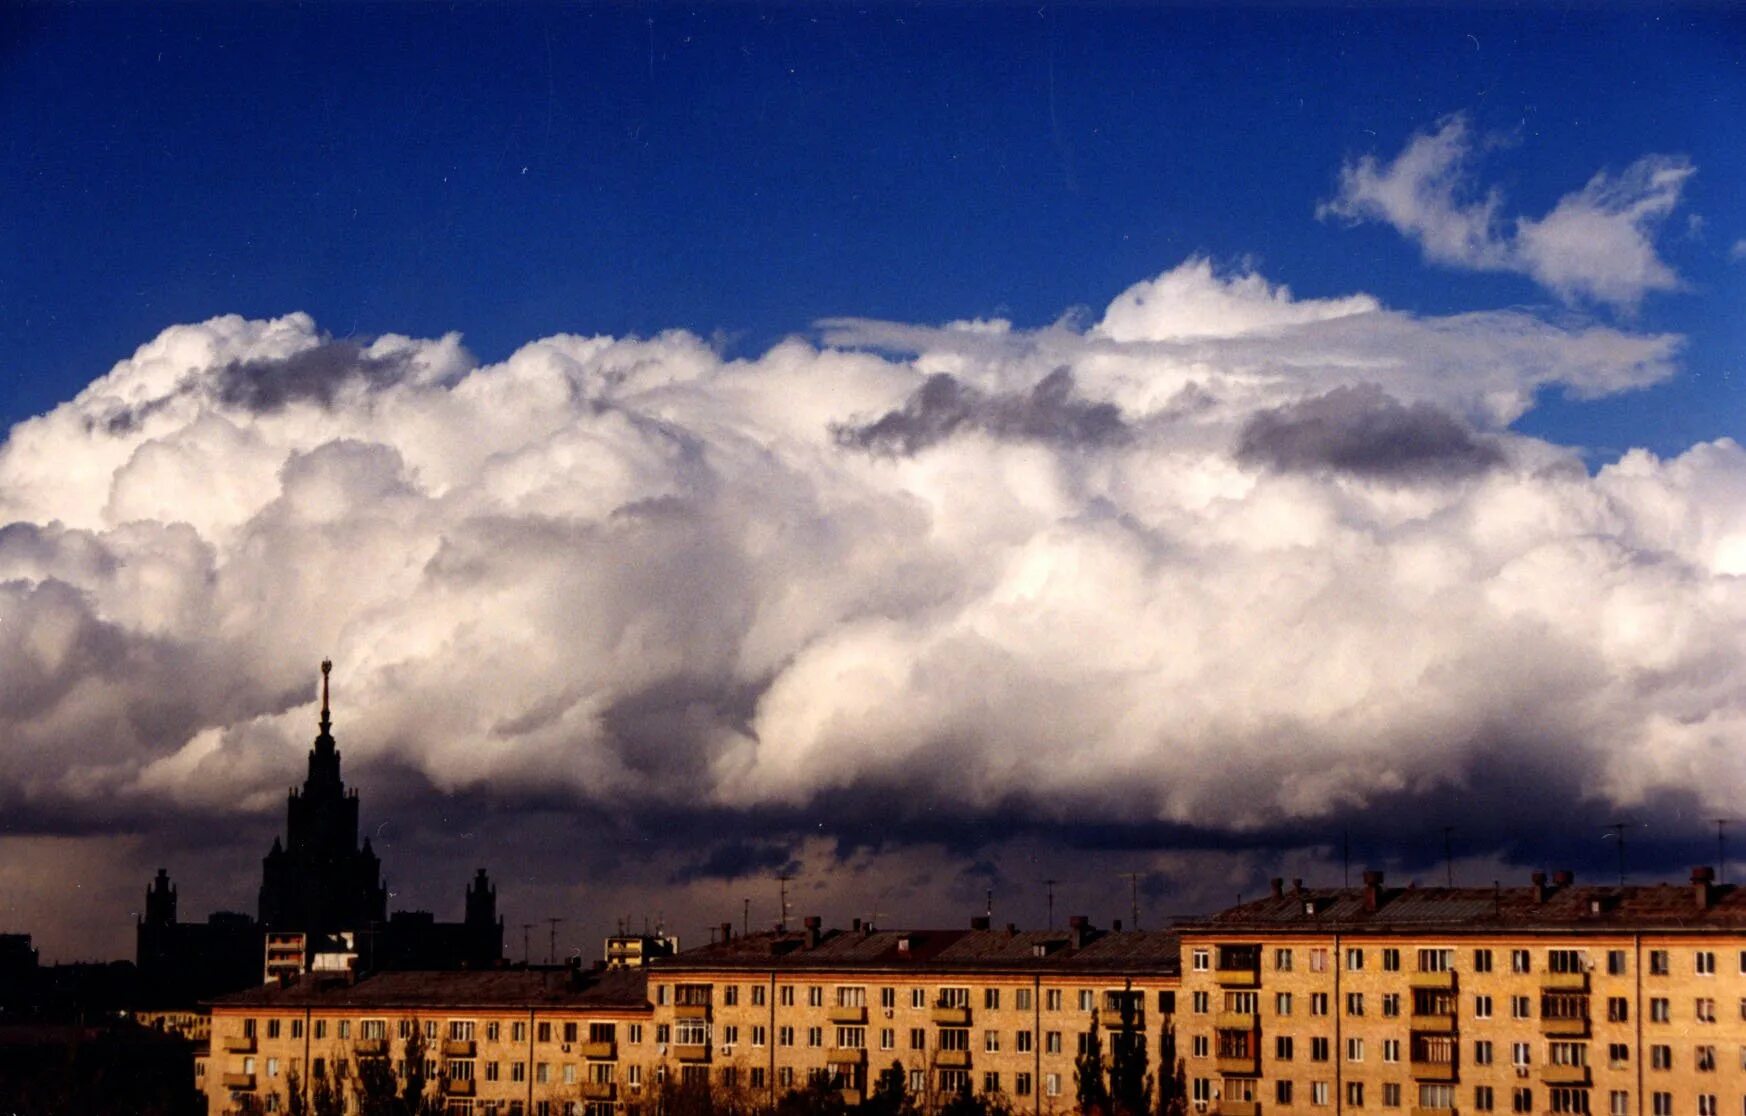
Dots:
{"x": 1130, "y": 1085}
{"x": 296, "y": 1100}
{"x": 964, "y": 1102}
{"x": 380, "y": 1094}
{"x": 890, "y": 1095}
{"x": 819, "y": 1098}
{"x": 326, "y": 1097}
{"x": 1093, "y": 1094}
{"x": 1173, "y": 1074}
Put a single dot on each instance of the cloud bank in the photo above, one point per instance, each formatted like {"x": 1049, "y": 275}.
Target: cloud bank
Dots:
{"x": 1597, "y": 243}
{"x": 1225, "y": 566}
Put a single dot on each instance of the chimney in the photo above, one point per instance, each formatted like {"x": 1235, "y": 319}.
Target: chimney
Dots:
{"x": 1703, "y": 890}
{"x": 813, "y": 933}
{"x": 1564, "y": 877}
{"x": 1276, "y": 887}
{"x": 1372, "y": 889}
{"x": 1539, "y": 881}
{"x": 1297, "y": 887}
{"x": 1116, "y": 925}
{"x": 979, "y": 922}
{"x": 857, "y": 926}
{"x": 1079, "y": 929}
{"x": 727, "y": 932}
{"x": 1012, "y": 929}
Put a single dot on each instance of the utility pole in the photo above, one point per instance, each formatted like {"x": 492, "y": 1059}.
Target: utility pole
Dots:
{"x": 552, "y": 946}
{"x": 1133, "y": 879}
{"x": 782, "y": 879}
{"x": 746, "y": 919}
{"x": 525, "y": 956}
{"x": 1618, "y": 829}
{"x": 1050, "y": 884}
{"x": 1449, "y": 853}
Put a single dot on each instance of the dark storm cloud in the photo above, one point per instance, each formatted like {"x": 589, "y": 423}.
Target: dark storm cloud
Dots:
{"x": 944, "y": 405}
{"x": 1363, "y": 430}
{"x": 316, "y": 374}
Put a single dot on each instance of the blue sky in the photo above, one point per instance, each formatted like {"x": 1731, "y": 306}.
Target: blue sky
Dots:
{"x": 1188, "y": 585}
{"x": 512, "y": 172}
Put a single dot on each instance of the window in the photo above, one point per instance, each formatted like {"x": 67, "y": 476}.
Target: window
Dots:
{"x": 1022, "y": 1042}
{"x": 1660, "y": 1057}
{"x": 1659, "y": 1011}
{"x": 1520, "y": 1007}
{"x": 1482, "y": 1052}
{"x": 545, "y": 1032}
{"x": 1318, "y": 1049}
{"x": 1318, "y": 964}
{"x": 1658, "y": 963}
{"x": 758, "y": 994}
{"x": 1441, "y": 1097}
{"x": 1282, "y": 1003}
{"x": 1706, "y": 1009}
{"x": 1482, "y": 1098}
{"x": 991, "y": 999}
{"x": 1202, "y": 1003}
{"x": 785, "y": 1036}
{"x": 1319, "y": 1093}
{"x": 785, "y": 996}
{"x": 730, "y": 995}
{"x": 1282, "y": 1051}
{"x": 1390, "y": 1095}
{"x": 954, "y": 1038}
{"x": 1522, "y": 1099}
{"x": 1436, "y": 960}
{"x": 1021, "y": 999}
{"x": 1354, "y": 1050}
{"x": 569, "y": 1032}
{"x": 1052, "y": 1042}
{"x": 493, "y": 1031}
{"x": 1482, "y": 960}
{"x": 1052, "y": 1084}
{"x": 1567, "y": 1053}
{"x": 1519, "y": 1054}
{"x": 1052, "y": 999}
{"x": 1705, "y": 962}
{"x": 815, "y": 996}
{"x": 1355, "y": 1094}
{"x": 1354, "y": 1003}
{"x": 663, "y": 1033}
{"x": 1706, "y": 1059}
{"x": 1706, "y": 1104}
{"x": 1282, "y": 1092}
{"x": 1087, "y": 1000}
{"x": 1391, "y": 1050}
{"x": 785, "y": 1076}
{"x": 1202, "y": 960}
{"x": 1567, "y": 1101}
{"x": 1318, "y": 1003}
{"x": 1618, "y": 1009}
{"x": 1618, "y": 1055}
{"x": 1354, "y": 960}
{"x": 518, "y": 1071}
{"x": 815, "y": 1037}
{"x": 1615, "y": 962}
{"x": 1619, "y": 1103}
{"x": 730, "y": 1035}
{"x": 1482, "y": 1007}
{"x": 1565, "y": 961}
{"x": 1282, "y": 961}
{"x": 1521, "y": 961}
{"x": 1021, "y": 1084}
{"x": 1661, "y": 1104}
{"x": 636, "y": 1034}
{"x": 991, "y": 1042}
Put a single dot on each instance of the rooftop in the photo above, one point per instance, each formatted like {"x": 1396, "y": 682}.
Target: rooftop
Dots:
{"x": 489, "y": 988}
{"x": 1560, "y": 905}
{"x": 938, "y": 951}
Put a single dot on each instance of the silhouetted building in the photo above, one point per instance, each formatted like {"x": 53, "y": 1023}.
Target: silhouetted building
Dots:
{"x": 322, "y": 904}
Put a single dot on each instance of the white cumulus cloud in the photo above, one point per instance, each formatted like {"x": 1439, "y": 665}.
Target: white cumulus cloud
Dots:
{"x": 1596, "y": 243}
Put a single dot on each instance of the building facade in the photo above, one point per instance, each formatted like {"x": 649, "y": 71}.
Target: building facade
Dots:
{"x": 1546, "y": 999}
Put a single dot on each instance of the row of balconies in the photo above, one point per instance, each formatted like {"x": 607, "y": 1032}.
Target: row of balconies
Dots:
{"x": 1550, "y": 982}
{"x": 1250, "y": 1066}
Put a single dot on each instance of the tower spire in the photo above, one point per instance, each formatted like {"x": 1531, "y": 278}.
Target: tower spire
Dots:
{"x": 326, "y": 720}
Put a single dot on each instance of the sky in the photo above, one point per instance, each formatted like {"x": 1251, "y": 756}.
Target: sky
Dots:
{"x": 926, "y": 450}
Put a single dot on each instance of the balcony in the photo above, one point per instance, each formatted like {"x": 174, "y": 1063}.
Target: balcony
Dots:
{"x": 691, "y": 1053}
{"x": 691, "y": 1011}
{"x": 1445, "y": 979}
{"x": 951, "y": 1016}
{"x": 1417, "y": 1111}
{"x": 1564, "y": 1028}
{"x": 600, "y": 1051}
{"x": 461, "y": 1086}
{"x": 851, "y": 1097}
{"x": 1239, "y": 1065}
{"x": 372, "y": 1048}
{"x": 1564, "y": 982}
{"x": 952, "y": 1059}
{"x": 1434, "y": 1024}
{"x": 1564, "y": 1075}
{"x": 600, "y": 1090}
{"x": 458, "y": 1048}
{"x": 848, "y": 1015}
{"x": 846, "y": 1056}
{"x": 1235, "y": 1021}
{"x": 1433, "y": 1071}
{"x": 240, "y": 1044}
{"x": 1245, "y": 977}
{"x": 239, "y": 1081}
{"x": 1112, "y": 1021}
{"x": 1239, "y": 1108}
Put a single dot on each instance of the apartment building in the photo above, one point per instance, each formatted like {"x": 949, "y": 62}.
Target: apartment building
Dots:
{"x": 1546, "y": 999}
{"x": 1004, "y": 1011}
{"x": 510, "y": 1042}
